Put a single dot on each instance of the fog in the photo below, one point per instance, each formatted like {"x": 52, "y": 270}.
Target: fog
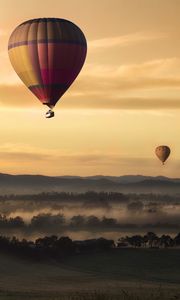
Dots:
{"x": 89, "y": 215}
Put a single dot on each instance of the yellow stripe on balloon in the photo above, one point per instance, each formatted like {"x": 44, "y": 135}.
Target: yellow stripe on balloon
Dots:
{"x": 20, "y": 60}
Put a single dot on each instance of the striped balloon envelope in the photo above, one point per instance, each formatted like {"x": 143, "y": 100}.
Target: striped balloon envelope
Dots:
{"x": 47, "y": 54}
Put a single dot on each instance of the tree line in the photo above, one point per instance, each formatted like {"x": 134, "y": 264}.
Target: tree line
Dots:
{"x": 52, "y": 247}
{"x": 63, "y": 196}
{"x": 149, "y": 240}
{"x": 60, "y": 247}
{"x": 93, "y": 196}
{"x": 47, "y": 222}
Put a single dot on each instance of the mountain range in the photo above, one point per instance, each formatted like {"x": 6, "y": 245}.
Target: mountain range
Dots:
{"x": 33, "y": 184}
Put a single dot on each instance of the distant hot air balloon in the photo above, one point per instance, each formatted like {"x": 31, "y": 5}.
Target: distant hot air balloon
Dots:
{"x": 163, "y": 153}
{"x": 47, "y": 54}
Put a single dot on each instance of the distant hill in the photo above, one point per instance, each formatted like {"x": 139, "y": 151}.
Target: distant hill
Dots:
{"x": 32, "y": 184}
{"x": 133, "y": 178}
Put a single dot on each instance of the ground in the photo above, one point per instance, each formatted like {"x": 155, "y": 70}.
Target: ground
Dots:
{"x": 150, "y": 274}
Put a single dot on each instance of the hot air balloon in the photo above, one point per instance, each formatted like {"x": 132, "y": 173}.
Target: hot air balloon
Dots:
{"x": 162, "y": 153}
{"x": 47, "y": 54}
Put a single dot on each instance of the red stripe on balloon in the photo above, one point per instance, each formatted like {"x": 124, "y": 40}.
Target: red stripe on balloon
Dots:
{"x": 60, "y": 63}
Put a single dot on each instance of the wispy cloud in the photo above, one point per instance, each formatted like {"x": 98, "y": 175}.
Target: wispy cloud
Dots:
{"x": 23, "y": 158}
{"x": 124, "y": 103}
{"x": 113, "y": 87}
{"x": 124, "y": 40}
{"x": 27, "y": 153}
{"x": 20, "y": 151}
{"x": 81, "y": 164}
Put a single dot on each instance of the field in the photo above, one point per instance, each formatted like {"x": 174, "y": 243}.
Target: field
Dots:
{"x": 119, "y": 274}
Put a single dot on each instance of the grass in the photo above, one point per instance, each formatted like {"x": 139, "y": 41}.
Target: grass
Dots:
{"x": 149, "y": 265}
{"x": 157, "y": 294}
{"x": 127, "y": 274}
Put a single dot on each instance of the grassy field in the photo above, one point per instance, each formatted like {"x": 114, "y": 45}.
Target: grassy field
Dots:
{"x": 127, "y": 274}
{"x": 144, "y": 265}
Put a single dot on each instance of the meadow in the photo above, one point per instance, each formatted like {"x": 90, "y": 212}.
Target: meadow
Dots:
{"x": 136, "y": 274}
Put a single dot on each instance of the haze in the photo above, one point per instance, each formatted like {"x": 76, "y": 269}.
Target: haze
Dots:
{"x": 124, "y": 103}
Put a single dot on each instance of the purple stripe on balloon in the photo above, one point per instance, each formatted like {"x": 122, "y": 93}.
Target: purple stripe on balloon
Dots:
{"x": 42, "y": 41}
{"x": 54, "y": 86}
{"x": 56, "y": 70}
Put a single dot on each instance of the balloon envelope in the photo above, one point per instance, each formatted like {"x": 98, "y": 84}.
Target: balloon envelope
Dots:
{"x": 163, "y": 153}
{"x": 47, "y": 54}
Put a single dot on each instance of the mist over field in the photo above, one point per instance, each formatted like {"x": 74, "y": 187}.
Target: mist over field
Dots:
{"x": 89, "y": 215}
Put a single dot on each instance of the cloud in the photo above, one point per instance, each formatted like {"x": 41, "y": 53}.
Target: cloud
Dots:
{"x": 21, "y": 152}
{"x": 123, "y": 40}
{"x": 23, "y": 156}
{"x": 49, "y": 156}
{"x": 112, "y": 87}
{"x": 125, "y": 103}
{"x": 154, "y": 73}
{"x": 25, "y": 152}
{"x": 22, "y": 159}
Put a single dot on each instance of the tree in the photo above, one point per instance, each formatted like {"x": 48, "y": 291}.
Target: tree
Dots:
{"x": 177, "y": 240}
{"x": 152, "y": 239}
{"x": 166, "y": 241}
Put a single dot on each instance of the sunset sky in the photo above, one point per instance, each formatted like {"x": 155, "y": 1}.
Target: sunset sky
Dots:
{"x": 124, "y": 103}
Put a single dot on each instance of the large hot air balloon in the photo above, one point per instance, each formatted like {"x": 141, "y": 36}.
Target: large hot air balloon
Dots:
{"x": 162, "y": 153}
{"x": 47, "y": 54}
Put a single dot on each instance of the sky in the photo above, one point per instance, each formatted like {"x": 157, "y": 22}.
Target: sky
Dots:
{"x": 124, "y": 103}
